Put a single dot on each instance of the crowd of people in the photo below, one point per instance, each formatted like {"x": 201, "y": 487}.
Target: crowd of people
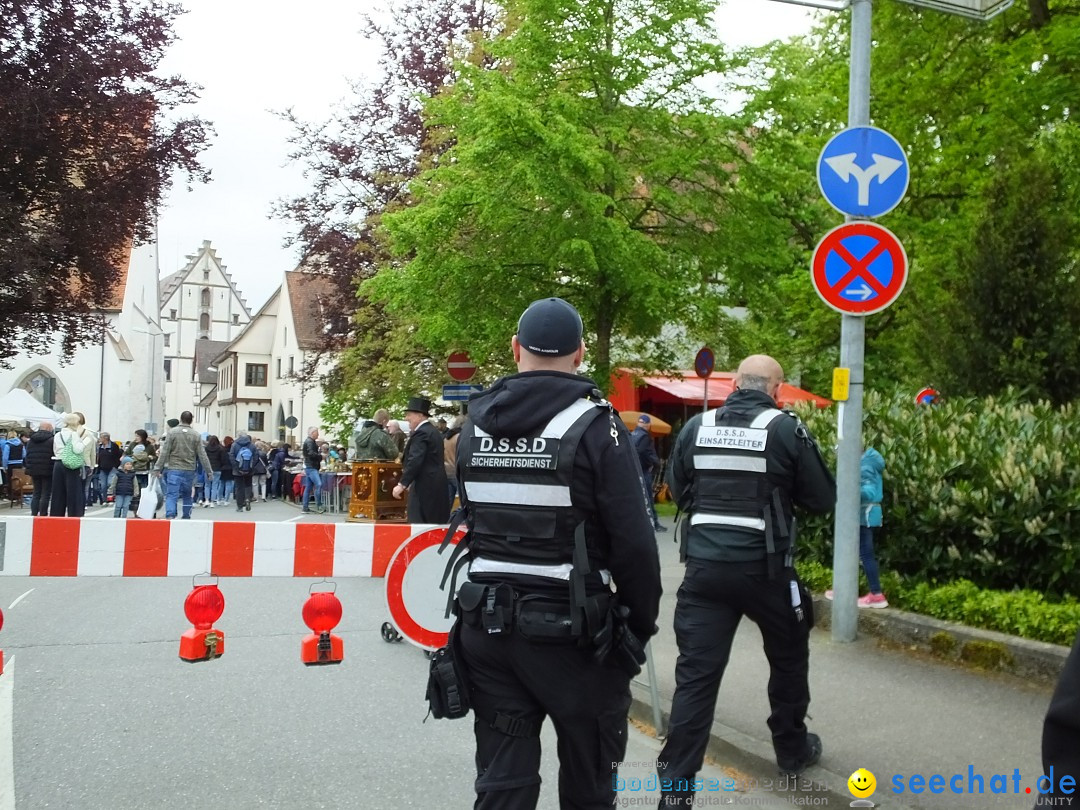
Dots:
{"x": 73, "y": 467}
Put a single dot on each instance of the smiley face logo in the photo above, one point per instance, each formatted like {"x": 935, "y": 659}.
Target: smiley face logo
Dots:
{"x": 862, "y": 784}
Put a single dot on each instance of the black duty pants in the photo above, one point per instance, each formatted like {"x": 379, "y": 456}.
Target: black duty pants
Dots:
{"x": 712, "y": 599}
{"x": 39, "y": 503}
{"x": 587, "y": 702}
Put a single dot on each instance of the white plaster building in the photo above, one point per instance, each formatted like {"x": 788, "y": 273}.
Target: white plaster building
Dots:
{"x": 253, "y": 383}
{"x": 198, "y": 302}
{"x": 116, "y": 384}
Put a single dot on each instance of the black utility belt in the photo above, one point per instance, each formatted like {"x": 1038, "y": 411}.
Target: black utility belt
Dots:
{"x": 502, "y": 609}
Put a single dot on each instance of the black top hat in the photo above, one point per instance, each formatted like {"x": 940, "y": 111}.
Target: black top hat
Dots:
{"x": 419, "y": 405}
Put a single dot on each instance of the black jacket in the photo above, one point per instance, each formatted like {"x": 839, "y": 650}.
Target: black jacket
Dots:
{"x": 108, "y": 457}
{"x": 37, "y": 458}
{"x": 423, "y": 470}
{"x": 312, "y": 454}
{"x": 218, "y": 457}
{"x": 792, "y": 459}
{"x": 606, "y": 483}
{"x": 646, "y": 451}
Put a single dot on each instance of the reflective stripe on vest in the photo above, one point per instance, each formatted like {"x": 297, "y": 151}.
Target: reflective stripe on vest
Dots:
{"x": 520, "y": 494}
{"x": 745, "y": 463}
{"x": 758, "y": 524}
{"x": 485, "y": 566}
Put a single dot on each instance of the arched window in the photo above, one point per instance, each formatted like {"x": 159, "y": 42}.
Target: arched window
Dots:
{"x": 204, "y": 322}
{"x": 46, "y": 388}
{"x": 205, "y": 296}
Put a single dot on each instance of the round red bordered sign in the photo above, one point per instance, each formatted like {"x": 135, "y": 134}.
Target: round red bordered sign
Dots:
{"x": 417, "y": 605}
{"x": 460, "y": 366}
{"x": 859, "y": 268}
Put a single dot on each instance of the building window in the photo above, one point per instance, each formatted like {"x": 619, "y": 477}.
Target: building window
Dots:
{"x": 172, "y": 314}
{"x": 255, "y": 420}
{"x": 204, "y": 322}
{"x": 290, "y": 365}
{"x": 236, "y": 319}
{"x": 206, "y": 274}
{"x": 255, "y": 374}
{"x": 290, "y": 408}
{"x": 168, "y": 369}
{"x": 205, "y": 297}
{"x": 279, "y": 368}
{"x": 167, "y": 337}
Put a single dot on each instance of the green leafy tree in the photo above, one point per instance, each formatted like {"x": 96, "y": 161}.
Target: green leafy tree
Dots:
{"x": 589, "y": 164}
{"x": 1022, "y": 297}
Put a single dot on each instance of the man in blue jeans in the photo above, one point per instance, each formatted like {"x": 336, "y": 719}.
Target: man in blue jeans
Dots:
{"x": 179, "y": 452}
{"x": 312, "y": 462}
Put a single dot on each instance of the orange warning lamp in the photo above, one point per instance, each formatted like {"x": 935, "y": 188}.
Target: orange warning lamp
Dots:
{"x": 203, "y": 606}
{"x": 322, "y": 612}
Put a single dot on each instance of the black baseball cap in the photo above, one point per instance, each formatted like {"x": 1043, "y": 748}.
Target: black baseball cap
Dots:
{"x": 550, "y": 327}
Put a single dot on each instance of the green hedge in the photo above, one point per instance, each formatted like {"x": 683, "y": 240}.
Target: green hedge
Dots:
{"x": 984, "y": 490}
{"x": 1021, "y": 613}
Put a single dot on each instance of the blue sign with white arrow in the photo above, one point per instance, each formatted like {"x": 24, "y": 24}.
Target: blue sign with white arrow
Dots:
{"x": 863, "y": 172}
{"x": 460, "y": 393}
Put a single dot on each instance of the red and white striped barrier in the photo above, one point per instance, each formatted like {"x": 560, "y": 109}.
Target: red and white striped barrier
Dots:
{"x": 69, "y": 547}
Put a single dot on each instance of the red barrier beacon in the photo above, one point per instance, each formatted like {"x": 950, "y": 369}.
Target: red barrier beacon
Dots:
{"x": 322, "y": 612}
{"x": 203, "y": 606}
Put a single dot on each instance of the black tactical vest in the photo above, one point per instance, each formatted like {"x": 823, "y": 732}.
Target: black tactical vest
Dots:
{"x": 519, "y": 488}
{"x": 735, "y": 485}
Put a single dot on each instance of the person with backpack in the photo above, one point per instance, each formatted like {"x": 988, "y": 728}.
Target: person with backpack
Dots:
{"x": 73, "y": 449}
{"x": 243, "y": 455}
{"x": 260, "y": 472}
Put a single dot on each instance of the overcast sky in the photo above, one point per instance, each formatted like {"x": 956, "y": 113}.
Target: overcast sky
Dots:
{"x": 253, "y": 58}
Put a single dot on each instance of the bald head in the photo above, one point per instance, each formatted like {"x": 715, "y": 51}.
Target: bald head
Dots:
{"x": 759, "y": 372}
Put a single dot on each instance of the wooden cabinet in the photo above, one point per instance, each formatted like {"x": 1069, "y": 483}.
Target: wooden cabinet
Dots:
{"x": 373, "y": 498}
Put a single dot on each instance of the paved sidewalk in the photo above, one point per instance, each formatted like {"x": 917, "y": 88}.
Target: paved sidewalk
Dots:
{"x": 891, "y": 712}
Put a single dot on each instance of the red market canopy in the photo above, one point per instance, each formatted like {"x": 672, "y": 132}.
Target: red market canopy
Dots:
{"x": 686, "y": 388}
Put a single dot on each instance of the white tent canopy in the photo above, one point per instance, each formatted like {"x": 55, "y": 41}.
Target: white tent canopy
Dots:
{"x": 17, "y": 406}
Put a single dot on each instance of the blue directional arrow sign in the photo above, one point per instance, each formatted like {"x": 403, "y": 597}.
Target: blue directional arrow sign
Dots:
{"x": 460, "y": 393}
{"x": 863, "y": 172}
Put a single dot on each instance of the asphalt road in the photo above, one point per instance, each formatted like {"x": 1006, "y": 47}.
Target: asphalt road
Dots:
{"x": 107, "y": 716}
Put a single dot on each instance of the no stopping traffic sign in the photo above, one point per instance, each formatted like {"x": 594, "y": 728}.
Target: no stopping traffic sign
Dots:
{"x": 859, "y": 268}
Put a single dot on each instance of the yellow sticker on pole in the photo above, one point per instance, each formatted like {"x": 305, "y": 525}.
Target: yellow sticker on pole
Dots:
{"x": 841, "y": 380}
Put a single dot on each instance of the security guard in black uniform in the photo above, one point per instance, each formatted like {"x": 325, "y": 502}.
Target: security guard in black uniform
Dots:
{"x": 737, "y": 471}
{"x": 556, "y": 517}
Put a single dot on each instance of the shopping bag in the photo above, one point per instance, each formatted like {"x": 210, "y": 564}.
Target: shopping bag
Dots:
{"x": 149, "y": 497}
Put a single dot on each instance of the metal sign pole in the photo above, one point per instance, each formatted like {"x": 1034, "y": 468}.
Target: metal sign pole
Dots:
{"x": 852, "y": 341}
{"x": 705, "y": 403}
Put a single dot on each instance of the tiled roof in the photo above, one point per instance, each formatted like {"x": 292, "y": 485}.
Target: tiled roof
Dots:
{"x": 312, "y": 296}
{"x": 170, "y": 283}
{"x": 205, "y": 352}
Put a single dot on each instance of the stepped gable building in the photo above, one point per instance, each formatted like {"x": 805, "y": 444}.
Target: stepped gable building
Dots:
{"x": 201, "y": 311}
